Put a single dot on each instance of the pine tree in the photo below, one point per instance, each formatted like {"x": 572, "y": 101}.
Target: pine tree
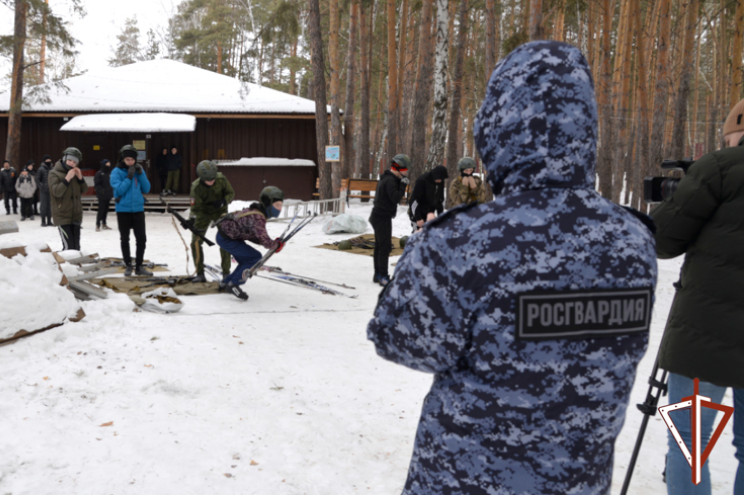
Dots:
{"x": 127, "y": 50}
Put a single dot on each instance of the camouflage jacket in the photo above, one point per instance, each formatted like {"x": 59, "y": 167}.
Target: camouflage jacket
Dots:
{"x": 532, "y": 310}
{"x": 205, "y": 200}
{"x": 459, "y": 194}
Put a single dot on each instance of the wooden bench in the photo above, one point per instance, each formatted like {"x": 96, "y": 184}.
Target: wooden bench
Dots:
{"x": 363, "y": 189}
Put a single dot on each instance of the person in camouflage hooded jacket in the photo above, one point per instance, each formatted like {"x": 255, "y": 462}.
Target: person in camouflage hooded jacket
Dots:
{"x": 532, "y": 310}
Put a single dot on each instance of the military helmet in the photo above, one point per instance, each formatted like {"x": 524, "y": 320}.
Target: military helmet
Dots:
{"x": 270, "y": 194}
{"x": 72, "y": 153}
{"x": 206, "y": 170}
{"x": 128, "y": 151}
{"x": 465, "y": 163}
{"x": 401, "y": 161}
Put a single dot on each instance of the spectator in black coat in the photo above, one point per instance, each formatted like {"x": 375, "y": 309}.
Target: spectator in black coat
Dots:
{"x": 8, "y": 176}
{"x": 175, "y": 162}
{"x": 427, "y": 198}
{"x": 42, "y": 179}
{"x": 104, "y": 192}
{"x": 390, "y": 189}
{"x": 161, "y": 164}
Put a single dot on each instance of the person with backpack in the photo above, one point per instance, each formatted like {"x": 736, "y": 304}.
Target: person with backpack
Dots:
{"x": 249, "y": 224}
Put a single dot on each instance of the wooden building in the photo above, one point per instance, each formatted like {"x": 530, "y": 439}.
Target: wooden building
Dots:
{"x": 162, "y": 103}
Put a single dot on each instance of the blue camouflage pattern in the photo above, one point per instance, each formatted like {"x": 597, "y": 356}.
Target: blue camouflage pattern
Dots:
{"x": 505, "y": 415}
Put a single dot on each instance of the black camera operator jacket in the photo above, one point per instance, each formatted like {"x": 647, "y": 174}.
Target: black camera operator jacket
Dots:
{"x": 704, "y": 335}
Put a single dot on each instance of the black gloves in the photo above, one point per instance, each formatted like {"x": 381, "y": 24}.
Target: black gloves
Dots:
{"x": 219, "y": 203}
{"x": 188, "y": 224}
{"x": 130, "y": 171}
{"x": 138, "y": 169}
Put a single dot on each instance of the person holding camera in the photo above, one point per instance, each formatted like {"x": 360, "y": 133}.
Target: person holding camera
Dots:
{"x": 531, "y": 310}
{"x": 704, "y": 334}
{"x": 211, "y": 193}
{"x": 390, "y": 189}
{"x": 66, "y": 188}
{"x": 130, "y": 184}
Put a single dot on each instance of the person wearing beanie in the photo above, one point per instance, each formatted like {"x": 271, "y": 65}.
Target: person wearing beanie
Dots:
{"x": 104, "y": 193}
{"x": 66, "y": 188}
{"x": 704, "y": 334}
{"x": 42, "y": 179}
{"x": 174, "y": 165}
{"x": 8, "y": 177}
{"x": 390, "y": 190}
{"x": 26, "y": 188}
{"x": 234, "y": 229}
{"x": 33, "y": 172}
{"x": 130, "y": 184}
{"x": 427, "y": 198}
{"x": 529, "y": 390}
{"x": 466, "y": 188}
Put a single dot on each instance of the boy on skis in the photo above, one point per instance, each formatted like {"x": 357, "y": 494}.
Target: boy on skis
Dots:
{"x": 248, "y": 225}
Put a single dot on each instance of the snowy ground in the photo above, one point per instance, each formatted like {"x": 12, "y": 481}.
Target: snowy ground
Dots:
{"x": 280, "y": 394}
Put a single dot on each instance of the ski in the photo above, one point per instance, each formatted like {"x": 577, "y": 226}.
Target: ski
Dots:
{"x": 278, "y": 270}
{"x": 283, "y": 238}
{"x": 303, "y": 283}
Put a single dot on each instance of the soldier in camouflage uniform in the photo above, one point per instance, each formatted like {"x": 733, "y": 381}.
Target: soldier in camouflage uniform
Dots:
{"x": 211, "y": 193}
{"x": 532, "y": 310}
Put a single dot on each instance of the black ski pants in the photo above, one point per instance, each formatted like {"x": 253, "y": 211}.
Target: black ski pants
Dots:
{"x": 132, "y": 221}
{"x": 11, "y": 197}
{"x": 103, "y": 208}
{"x": 383, "y": 226}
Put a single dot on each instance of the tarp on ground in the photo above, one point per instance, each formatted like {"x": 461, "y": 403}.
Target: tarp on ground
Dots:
{"x": 363, "y": 245}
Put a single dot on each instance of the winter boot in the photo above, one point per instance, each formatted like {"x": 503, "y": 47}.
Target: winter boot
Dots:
{"x": 199, "y": 278}
{"x": 128, "y": 270}
{"x": 236, "y": 291}
{"x": 141, "y": 271}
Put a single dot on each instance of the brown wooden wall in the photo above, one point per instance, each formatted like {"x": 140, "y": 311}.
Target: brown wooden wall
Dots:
{"x": 217, "y": 138}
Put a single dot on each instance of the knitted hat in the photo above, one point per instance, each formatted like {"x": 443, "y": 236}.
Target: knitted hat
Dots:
{"x": 735, "y": 120}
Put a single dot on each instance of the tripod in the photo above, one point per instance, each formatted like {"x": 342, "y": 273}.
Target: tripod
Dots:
{"x": 656, "y": 388}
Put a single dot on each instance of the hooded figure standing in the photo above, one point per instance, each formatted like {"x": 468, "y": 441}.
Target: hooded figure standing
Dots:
{"x": 130, "y": 184}
{"x": 427, "y": 197}
{"x": 104, "y": 193}
{"x": 532, "y": 310}
{"x": 45, "y": 208}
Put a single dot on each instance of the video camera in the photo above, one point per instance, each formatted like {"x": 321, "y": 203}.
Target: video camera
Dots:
{"x": 658, "y": 189}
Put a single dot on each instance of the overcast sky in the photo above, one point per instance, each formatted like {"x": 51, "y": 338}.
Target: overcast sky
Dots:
{"x": 98, "y": 30}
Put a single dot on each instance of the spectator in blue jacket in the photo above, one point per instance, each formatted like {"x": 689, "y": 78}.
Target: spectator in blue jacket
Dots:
{"x": 130, "y": 184}
{"x": 532, "y": 310}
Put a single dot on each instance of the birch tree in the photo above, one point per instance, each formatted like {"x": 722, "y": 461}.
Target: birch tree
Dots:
{"x": 438, "y": 119}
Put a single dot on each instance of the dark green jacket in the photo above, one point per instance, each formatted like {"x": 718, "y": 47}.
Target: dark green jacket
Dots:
{"x": 204, "y": 200}
{"x": 704, "y": 219}
{"x": 66, "y": 198}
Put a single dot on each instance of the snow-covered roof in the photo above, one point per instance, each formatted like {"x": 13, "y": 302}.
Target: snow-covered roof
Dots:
{"x": 263, "y": 161}
{"x": 164, "y": 86}
{"x": 134, "y": 122}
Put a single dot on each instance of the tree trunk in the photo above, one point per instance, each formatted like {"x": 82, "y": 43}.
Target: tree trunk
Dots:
{"x": 452, "y": 139}
{"x": 492, "y": 51}
{"x": 348, "y": 154}
{"x": 335, "y": 96}
{"x": 365, "y": 43}
{"x": 423, "y": 92}
{"x": 604, "y": 152}
{"x": 535, "y": 27}
{"x": 736, "y": 50}
{"x": 439, "y": 124}
{"x": 683, "y": 95}
{"x": 321, "y": 111}
{"x": 392, "y": 133}
{"x": 13, "y": 146}
{"x": 662, "y": 85}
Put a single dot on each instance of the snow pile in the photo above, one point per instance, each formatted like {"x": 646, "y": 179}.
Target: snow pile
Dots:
{"x": 32, "y": 296}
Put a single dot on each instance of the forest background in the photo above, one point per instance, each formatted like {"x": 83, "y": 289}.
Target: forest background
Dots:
{"x": 408, "y": 76}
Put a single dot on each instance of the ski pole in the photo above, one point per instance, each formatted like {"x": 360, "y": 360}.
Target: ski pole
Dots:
{"x": 648, "y": 408}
